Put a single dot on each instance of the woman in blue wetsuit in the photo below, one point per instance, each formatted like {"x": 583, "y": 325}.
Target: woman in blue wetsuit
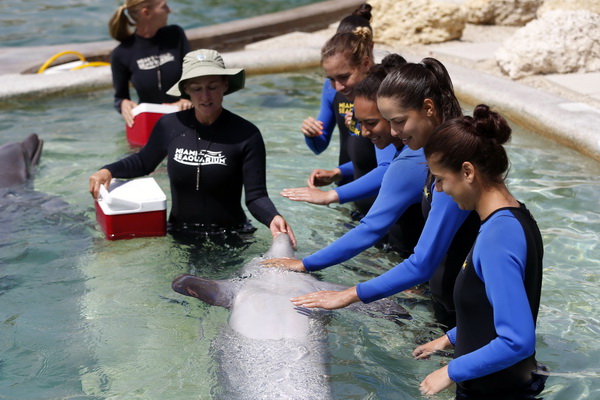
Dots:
{"x": 318, "y": 132}
{"x": 150, "y": 58}
{"x": 497, "y": 292}
{"x": 346, "y": 58}
{"x": 397, "y": 209}
{"x": 416, "y": 99}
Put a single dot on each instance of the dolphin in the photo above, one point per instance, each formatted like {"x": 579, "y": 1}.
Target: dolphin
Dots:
{"x": 271, "y": 348}
{"x": 18, "y": 160}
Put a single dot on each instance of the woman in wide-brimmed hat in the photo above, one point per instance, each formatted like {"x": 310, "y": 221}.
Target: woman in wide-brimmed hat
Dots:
{"x": 212, "y": 153}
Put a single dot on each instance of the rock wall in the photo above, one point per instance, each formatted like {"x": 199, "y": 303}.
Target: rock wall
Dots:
{"x": 589, "y": 5}
{"x": 407, "y": 22}
{"x": 501, "y": 12}
{"x": 557, "y": 42}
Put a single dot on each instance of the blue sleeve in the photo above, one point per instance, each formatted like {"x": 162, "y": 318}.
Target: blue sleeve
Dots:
{"x": 444, "y": 220}
{"x": 499, "y": 258}
{"x": 401, "y": 187}
{"x": 347, "y": 171}
{"x": 318, "y": 144}
{"x": 368, "y": 184}
{"x": 451, "y": 334}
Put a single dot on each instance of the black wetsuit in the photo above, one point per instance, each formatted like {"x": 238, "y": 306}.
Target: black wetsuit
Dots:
{"x": 441, "y": 283}
{"x": 358, "y": 149}
{"x": 497, "y": 296}
{"x": 152, "y": 65}
{"x": 207, "y": 165}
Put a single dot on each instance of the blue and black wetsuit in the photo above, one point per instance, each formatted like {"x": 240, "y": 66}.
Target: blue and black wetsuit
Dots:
{"x": 318, "y": 144}
{"x": 152, "y": 65}
{"x": 358, "y": 156}
{"x": 398, "y": 206}
{"x": 497, "y": 297}
{"x": 208, "y": 165}
{"x": 447, "y": 236}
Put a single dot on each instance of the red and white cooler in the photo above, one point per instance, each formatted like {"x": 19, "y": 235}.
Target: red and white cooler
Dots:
{"x": 145, "y": 116}
{"x": 132, "y": 209}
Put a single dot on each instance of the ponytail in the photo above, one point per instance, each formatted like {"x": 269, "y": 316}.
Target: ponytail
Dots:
{"x": 410, "y": 85}
{"x": 125, "y": 17}
{"x": 119, "y": 24}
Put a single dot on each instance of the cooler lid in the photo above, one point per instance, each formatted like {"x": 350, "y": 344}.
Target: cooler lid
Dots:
{"x": 153, "y": 108}
{"x": 133, "y": 196}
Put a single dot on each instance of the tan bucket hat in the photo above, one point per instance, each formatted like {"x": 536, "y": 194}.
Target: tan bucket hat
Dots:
{"x": 207, "y": 62}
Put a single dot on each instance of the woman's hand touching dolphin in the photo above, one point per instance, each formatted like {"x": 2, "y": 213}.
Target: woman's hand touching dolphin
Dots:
{"x": 293, "y": 264}
{"x": 327, "y": 299}
{"x": 279, "y": 225}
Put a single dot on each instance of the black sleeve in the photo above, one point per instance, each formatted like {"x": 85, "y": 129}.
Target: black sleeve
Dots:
{"x": 147, "y": 159}
{"x": 255, "y": 186}
{"x": 120, "y": 77}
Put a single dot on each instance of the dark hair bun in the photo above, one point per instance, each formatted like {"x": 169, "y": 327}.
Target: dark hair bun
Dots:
{"x": 364, "y": 11}
{"x": 490, "y": 124}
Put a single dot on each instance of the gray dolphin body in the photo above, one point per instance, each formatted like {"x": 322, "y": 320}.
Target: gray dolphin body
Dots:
{"x": 18, "y": 160}
{"x": 20, "y": 206}
{"x": 271, "y": 349}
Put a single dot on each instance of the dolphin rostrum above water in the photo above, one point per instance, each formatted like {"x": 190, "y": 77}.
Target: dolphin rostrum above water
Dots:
{"x": 271, "y": 348}
{"x": 18, "y": 160}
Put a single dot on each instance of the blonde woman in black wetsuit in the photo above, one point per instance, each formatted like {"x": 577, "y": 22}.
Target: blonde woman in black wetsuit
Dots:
{"x": 211, "y": 155}
{"x": 150, "y": 57}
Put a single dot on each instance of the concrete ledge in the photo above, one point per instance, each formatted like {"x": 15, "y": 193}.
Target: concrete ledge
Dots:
{"x": 576, "y": 125}
{"x": 235, "y": 34}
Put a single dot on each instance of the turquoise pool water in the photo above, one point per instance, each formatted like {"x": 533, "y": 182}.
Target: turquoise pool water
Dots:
{"x": 38, "y": 23}
{"x": 83, "y": 317}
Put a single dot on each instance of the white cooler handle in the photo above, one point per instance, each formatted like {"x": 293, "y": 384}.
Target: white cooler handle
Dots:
{"x": 118, "y": 203}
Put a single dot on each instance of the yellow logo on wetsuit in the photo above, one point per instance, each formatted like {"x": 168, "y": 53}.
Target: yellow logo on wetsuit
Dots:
{"x": 345, "y": 108}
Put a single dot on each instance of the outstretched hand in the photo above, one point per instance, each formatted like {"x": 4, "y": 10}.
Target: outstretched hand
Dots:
{"x": 327, "y": 299}
{"x": 293, "y": 264}
{"x": 311, "y": 195}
